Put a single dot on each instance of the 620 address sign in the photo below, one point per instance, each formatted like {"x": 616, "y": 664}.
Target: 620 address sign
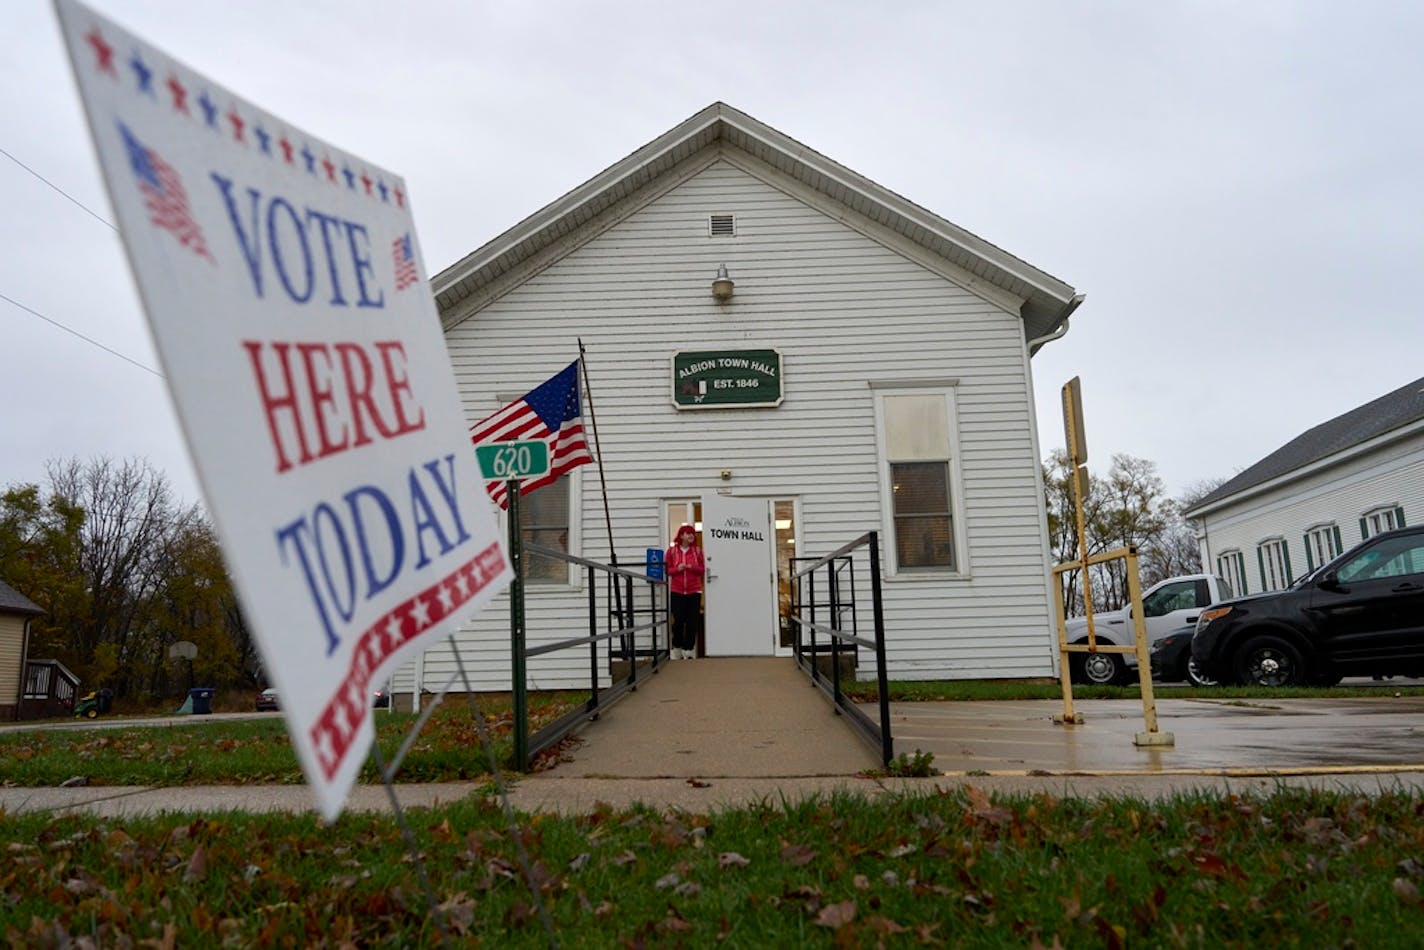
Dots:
{"x": 504, "y": 460}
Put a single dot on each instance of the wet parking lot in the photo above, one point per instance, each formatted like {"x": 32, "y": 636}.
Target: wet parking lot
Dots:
{"x": 1210, "y": 735}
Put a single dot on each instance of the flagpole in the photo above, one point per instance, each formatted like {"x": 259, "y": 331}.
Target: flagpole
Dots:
{"x": 603, "y": 485}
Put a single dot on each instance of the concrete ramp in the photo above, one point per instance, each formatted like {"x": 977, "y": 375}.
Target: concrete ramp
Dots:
{"x": 726, "y": 717}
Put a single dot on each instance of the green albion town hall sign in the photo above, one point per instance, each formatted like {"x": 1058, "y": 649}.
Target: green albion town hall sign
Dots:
{"x": 721, "y": 379}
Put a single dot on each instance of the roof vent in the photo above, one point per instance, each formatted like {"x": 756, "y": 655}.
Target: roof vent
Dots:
{"x": 722, "y": 225}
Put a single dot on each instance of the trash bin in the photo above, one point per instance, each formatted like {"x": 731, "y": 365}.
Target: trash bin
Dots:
{"x": 202, "y": 697}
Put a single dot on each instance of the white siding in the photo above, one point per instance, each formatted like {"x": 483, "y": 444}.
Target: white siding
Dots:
{"x": 1390, "y": 475}
{"x": 844, "y": 311}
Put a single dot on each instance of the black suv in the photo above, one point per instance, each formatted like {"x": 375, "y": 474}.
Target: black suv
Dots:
{"x": 1360, "y": 614}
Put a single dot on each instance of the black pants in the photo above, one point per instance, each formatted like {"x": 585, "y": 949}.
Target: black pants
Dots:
{"x": 686, "y": 616}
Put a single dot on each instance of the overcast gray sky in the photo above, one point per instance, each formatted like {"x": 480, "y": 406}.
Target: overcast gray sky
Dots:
{"x": 1237, "y": 187}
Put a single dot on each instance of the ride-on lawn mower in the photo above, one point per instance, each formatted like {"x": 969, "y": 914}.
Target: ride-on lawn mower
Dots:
{"x": 95, "y": 703}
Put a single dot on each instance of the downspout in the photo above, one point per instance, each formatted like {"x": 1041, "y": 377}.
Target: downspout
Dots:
{"x": 1204, "y": 551}
{"x": 1029, "y": 348}
{"x": 1037, "y": 342}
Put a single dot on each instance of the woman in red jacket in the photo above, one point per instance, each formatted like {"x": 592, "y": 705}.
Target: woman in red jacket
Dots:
{"x": 685, "y": 568}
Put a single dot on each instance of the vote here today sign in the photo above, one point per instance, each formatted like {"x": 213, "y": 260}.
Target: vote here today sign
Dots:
{"x": 284, "y": 289}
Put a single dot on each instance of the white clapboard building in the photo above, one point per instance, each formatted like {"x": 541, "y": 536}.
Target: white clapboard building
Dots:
{"x": 862, "y": 365}
{"x": 1318, "y": 495}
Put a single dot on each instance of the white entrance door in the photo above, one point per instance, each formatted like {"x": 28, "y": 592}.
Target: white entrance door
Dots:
{"x": 741, "y": 578}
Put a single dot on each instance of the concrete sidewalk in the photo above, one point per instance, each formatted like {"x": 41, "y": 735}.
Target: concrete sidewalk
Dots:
{"x": 749, "y": 717}
{"x": 713, "y": 733}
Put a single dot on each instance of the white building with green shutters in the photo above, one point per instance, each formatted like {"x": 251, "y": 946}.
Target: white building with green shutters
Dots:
{"x": 1318, "y": 495}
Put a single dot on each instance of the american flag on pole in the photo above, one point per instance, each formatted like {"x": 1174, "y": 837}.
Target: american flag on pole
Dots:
{"x": 550, "y": 412}
{"x": 163, "y": 194}
{"x": 404, "y": 260}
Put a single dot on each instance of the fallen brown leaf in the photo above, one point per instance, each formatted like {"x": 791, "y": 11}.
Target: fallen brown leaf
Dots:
{"x": 197, "y": 866}
{"x": 836, "y": 916}
{"x": 459, "y": 912}
{"x": 885, "y": 926}
{"x": 675, "y": 924}
{"x": 797, "y": 855}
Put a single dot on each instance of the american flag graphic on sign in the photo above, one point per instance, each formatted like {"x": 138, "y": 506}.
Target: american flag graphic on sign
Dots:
{"x": 550, "y": 412}
{"x": 163, "y": 194}
{"x": 404, "y": 257}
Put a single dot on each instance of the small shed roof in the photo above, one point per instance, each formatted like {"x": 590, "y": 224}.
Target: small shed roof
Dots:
{"x": 1381, "y": 416}
{"x": 14, "y": 602}
{"x": 1048, "y": 301}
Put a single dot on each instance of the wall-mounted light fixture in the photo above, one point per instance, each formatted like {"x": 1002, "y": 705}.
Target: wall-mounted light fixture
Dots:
{"x": 722, "y": 284}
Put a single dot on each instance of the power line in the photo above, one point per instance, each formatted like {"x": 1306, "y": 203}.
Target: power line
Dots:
{"x": 97, "y": 217}
{"x": 80, "y": 335}
{"x": 77, "y": 203}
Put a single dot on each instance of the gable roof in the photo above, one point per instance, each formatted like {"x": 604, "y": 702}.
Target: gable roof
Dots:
{"x": 1048, "y": 301}
{"x": 14, "y": 602}
{"x": 1389, "y": 412}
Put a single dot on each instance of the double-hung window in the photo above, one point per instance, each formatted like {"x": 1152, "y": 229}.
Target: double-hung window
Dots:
{"x": 1232, "y": 566}
{"x": 1379, "y": 520}
{"x": 919, "y": 479}
{"x": 1322, "y": 545}
{"x": 544, "y": 520}
{"x": 1274, "y": 559}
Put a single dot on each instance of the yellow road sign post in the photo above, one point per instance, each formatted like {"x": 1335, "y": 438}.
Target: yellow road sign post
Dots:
{"x": 1077, "y": 457}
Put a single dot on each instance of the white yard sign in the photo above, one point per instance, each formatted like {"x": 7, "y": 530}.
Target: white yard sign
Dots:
{"x": 284, "y": 288}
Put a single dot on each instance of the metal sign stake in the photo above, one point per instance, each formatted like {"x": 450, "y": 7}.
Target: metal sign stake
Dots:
{"x": 516, "y": 630}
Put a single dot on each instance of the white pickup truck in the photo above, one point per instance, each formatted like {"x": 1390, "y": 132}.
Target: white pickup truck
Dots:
{"x": 1166, "y": 606}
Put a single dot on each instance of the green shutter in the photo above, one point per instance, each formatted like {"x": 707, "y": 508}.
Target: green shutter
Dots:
{"x": 1285, "y": 556}
{"x": 1364, "y": 529}
{"x": 1399, "y": 517}
{"x": 1309, "y": 556}
{"x": 1339, "y": 546}
{"x": 1241, "y": 573}
{"x": 1261, "y": 563}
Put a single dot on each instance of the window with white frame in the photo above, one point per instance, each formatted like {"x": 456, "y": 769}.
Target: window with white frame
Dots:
{"x": 1322, "y": 545}
{"x": 1274, "y": 560}
{"x": 544, "y": 519}
{"x": 1378, "y": 520}
{"x": 917, "y": 430}
{"x": 1232, "y": 566}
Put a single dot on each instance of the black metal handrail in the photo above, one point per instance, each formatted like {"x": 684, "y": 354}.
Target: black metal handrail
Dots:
{"x": 622, "y": 637}
{"x": 837, "y": 599}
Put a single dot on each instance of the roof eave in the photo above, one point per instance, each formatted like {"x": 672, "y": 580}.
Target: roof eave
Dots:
{"x": 1206, "y": 507}
{"x": 1048, "y": 300}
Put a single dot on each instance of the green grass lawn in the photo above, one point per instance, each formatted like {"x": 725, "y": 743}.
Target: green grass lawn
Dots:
{"x": 218, "y": 751}
{"x": 952, "y": 868}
